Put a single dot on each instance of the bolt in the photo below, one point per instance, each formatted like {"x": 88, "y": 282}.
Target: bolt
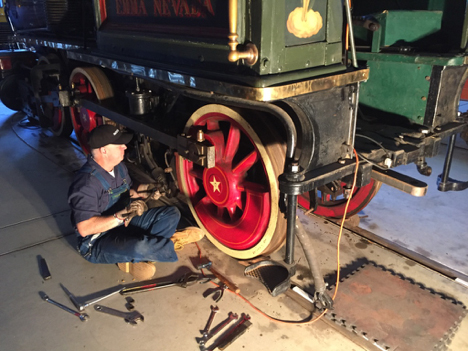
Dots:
{"x": 200, "y": 136}
{"x": 388, "y": 162}
{"x": 294, "y": 167}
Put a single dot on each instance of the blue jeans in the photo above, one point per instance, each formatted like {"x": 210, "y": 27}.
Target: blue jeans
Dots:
{"x": 147, "y": 238}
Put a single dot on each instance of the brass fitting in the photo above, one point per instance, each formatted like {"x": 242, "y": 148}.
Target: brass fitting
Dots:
{"x": 250, "y": 52}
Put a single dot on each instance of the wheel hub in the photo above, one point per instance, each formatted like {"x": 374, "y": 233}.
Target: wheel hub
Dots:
{"x": 221, "y": 186}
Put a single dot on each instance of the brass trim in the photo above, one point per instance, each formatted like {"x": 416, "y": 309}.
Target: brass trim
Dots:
{"x": 306, "y": 87}
{"x": 223, "y": 88}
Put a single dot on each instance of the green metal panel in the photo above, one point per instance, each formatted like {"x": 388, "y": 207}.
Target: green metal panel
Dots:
{"x": 296, "y": 56}
{"x": 280, "y": 51}
{"x": 194, "y": 34}
{"x": 402, "y": 27}
{"x": 397, "y": 88}
{"x": 452, "y": 35}
{"x": 333, "y": 53}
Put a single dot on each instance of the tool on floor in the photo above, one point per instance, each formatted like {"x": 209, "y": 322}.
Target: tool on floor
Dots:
{"x": 214, "y": 310}
{"x": 129, "y": 305}
{"x": 232, "y": 334}
{"x": 44, "y": 269}
{"x": 272, "y": 274}
{"x": 302, "y": 297}
{"x": 82, "y": 305}
{"x": 218, "y": 275}
{"x": 129, "y": 317}
{"x": 218, "y": 328}
{"x": 82, "y": 316}
{"x": 185, "y": 281}
{"x": 217, "y": 292}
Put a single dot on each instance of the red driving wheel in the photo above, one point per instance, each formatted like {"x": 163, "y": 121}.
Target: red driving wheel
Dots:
{"x": 58, "y": 115}
{"x": 335, "y": 208}
{"x": 236, "y": 202}
{"x": 92, "y": 84}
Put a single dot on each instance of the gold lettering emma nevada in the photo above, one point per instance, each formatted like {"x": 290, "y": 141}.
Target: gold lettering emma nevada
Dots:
{"x": 131, "y": 8}
{"x": 182, "y": 8}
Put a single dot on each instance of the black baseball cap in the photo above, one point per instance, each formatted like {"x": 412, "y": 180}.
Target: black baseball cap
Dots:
{"x": 108, "y": 134}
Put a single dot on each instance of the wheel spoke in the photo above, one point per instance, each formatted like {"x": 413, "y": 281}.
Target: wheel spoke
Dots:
{"x": 196, "y": 173}
{"x": 334, "y": 206}
{"x": 232, "y": 144}
{"x": 212, "y": 124}
{"x": 217, "y": 139}
{"x": 244, "y": 165}
{"x": 253, "y": 188}
{"x": 232, "y": 211}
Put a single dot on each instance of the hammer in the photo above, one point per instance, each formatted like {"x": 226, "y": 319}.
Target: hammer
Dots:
{"x": 228, "y": 283}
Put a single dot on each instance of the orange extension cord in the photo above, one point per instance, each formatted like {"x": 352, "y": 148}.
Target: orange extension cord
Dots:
{"x": 311, "y": 320}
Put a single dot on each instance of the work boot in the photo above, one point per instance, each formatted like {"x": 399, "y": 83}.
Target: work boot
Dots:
{"x": 186, "y": 236}
{"x": 139, "y": 270}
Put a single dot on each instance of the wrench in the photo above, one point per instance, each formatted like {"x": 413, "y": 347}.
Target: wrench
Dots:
{"x": 129, "y": 317}
{"x": 245, "y": 318}
{"x": 231, "y": 317}
{"x": 183, "y": 282}
{"x": 82, "y": 316}
{"x": 214, "y": 310}
{"x": 81, "y": 306}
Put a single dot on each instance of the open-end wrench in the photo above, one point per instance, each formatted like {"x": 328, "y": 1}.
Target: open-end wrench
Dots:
{"x": 82, "y": 316}
{"x": 214, "y": 310}
{"x": 129, "y": 317}
{"x": 82, "y": 305}
{"x": 183, "y": 282}
{"x": 217, "y": 329}
{"x": 220, "y": 341}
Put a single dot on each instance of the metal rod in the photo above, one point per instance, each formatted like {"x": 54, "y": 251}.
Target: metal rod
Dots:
{"x": 290, "y": 228}
{"x": 351, "y": 33}
{"x": 448, "y": 159}
{"x": 309, "y": 252}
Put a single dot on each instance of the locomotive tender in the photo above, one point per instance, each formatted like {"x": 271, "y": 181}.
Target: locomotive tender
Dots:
{"x": 251, "y": 106}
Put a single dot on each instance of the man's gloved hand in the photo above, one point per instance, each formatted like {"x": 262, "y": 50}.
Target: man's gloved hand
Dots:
{"x": 122, "y": 214}
{"x": 155, "y": 196}
{"x": 136, "y": 208}
{"x": 150, "y": 194}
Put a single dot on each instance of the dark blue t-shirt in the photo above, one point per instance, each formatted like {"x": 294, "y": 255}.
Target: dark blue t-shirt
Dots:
{"x": 87, "y": 197}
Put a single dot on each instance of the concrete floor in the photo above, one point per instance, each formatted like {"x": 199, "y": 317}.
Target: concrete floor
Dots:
{"x": 434, "y": 226}
{"x": 36, "y": 170}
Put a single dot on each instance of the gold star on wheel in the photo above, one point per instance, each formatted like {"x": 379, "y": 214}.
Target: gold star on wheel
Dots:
{"x": 215, "y": 184}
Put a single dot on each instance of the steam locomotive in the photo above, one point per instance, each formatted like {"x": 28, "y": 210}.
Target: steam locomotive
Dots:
{"x": 250, "y": 108}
